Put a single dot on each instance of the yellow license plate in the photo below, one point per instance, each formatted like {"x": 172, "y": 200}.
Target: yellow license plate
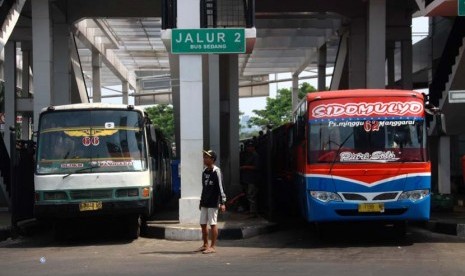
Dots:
{"x": 371, "y": 208}
{"x": 90, "y": 206}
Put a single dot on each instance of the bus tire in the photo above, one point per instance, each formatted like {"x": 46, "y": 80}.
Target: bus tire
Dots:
{"x": 60, "y": 230}
{"x": 133, "y": 227}
{"x": 400, "y": 229}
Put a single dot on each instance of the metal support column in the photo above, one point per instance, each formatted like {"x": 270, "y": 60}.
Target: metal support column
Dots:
{"x": 10, "y": 89}
{"x": 322, "y": 68}
{"x": 125, "y": 89}
{"x": 295, "y": 91}
{"x": 42, "y": 56}
{"x": 96, "y": 85}
{"x": 376, "y": 53}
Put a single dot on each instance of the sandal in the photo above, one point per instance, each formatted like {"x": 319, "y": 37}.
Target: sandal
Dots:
{"x": 201, "y": 249}
{"x": 209, "y": 251}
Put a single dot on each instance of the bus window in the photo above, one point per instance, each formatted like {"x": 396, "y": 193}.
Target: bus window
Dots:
{"x": 366, "y": 141}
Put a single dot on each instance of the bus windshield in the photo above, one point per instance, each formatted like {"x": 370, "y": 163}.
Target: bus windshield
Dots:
{"x": 351, "y": 140}
{"x": 83, "y": 141}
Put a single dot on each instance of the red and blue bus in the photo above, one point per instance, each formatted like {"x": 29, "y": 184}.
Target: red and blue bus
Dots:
{"x": 361, "y": 155}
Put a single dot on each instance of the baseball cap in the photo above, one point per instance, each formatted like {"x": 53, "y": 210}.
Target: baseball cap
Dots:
{"x": 210, "y": 153}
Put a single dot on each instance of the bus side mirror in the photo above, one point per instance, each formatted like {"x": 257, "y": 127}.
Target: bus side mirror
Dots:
{"x": 152, "y": 140}
{"x": 432, "y": 110}
{"x": 152, "y": 134}
{"x": 439, "y": 117}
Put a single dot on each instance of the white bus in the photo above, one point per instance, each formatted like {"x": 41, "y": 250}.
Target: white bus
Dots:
{"x": 100, "y": 160}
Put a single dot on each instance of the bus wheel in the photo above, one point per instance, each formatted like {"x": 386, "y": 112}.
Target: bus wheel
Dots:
{"x": 133, "y": 227}
{"x": 400, "y": 229}
{"x": 144, "y": 228}
{"x": 60, "y": 230}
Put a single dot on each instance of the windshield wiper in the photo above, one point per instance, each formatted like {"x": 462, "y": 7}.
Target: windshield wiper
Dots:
{"x": 81, "y": 170}
{"x": 338, "y": 151}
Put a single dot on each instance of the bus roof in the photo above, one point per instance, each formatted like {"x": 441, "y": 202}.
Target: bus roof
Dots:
{"x": 85, "y": 106}
{"x": 358, "y": 93}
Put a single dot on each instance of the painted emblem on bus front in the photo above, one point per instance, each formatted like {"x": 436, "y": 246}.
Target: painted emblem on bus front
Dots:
{"x": 90, "y": 132}
{"x": 91, "y": 136}
{"x": 375, "y": 156}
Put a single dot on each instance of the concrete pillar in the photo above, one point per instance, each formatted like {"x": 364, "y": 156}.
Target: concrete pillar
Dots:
{"x": 96, "y": 84}
{"x": 61, "y": 93}
{"x": 125, "y": 89}
{"x": 322, "y": 68}
{"x": 357, "y": 53}
{"x": 444, "y": 185}
{"x": 42, "y": 56}
{"x": 190, "y": 82}
{"x": 174, "y": 69}
{"x": 211, "y": 103}
{"x": 376, "y": 53}
{"x": 229, "y": 110}
{"x": 26, "y": 48}
{"x": 406, "y": 63}
{"x": 10, "y": 90}
{"x": 391, "y": 72}
{"x": 295, "y": 91}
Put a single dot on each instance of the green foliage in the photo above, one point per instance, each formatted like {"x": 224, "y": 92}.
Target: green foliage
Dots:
{"x": 279, "y": 110}
{"x": 305, "y": 88}
{"x": 162, "y": 117}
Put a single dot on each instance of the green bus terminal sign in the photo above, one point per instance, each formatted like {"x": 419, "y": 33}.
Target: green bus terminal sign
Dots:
{"x": 208, "y": 41}
{"x": 461, "y": 7}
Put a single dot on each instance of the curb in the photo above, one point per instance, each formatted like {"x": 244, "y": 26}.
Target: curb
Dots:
{"x": 24, "y": 228}
{"x": 449, "y": 228}
{"x": 194, "y": 233}
{"x": 5, "y": 233}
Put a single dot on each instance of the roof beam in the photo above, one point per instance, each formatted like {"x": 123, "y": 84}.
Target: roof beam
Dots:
{"x": 88, "y": 36}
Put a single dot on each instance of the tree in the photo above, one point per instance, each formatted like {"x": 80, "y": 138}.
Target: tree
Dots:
{"x": 162, "y": 117}
{"x": 279, "y": 110}
{"x": 305, "y": 88}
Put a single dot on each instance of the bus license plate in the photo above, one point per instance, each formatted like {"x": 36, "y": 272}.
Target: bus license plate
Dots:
{"x": 90, "y": 206}
{"x": 371, "y": 208}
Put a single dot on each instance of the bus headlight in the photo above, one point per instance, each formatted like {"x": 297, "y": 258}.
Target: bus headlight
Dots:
{"x": 325, "y": 196}
{"x": 414, "y": 195}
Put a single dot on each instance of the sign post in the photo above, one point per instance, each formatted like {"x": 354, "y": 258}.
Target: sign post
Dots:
{"x": 208, "y": 41}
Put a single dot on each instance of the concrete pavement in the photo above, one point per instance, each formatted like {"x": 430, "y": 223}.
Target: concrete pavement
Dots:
{"x": 166, "y": 226}
{"x": 235, "y": 225}
{"x": 5, "y": 222}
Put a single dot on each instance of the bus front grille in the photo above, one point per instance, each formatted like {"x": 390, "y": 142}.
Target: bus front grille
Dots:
{"x": 91, "y": 194}
{"x": 370, "y": 197}
{"x": 386, "y": 196}
{"x": 352, "y": 196}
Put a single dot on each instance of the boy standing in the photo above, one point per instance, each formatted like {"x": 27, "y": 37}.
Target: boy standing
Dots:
{"x": 212, "y": 197}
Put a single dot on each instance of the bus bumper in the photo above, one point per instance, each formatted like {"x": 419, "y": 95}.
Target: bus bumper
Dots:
{"x": 108, "y": 208}
{"x": 404, "y": 210}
